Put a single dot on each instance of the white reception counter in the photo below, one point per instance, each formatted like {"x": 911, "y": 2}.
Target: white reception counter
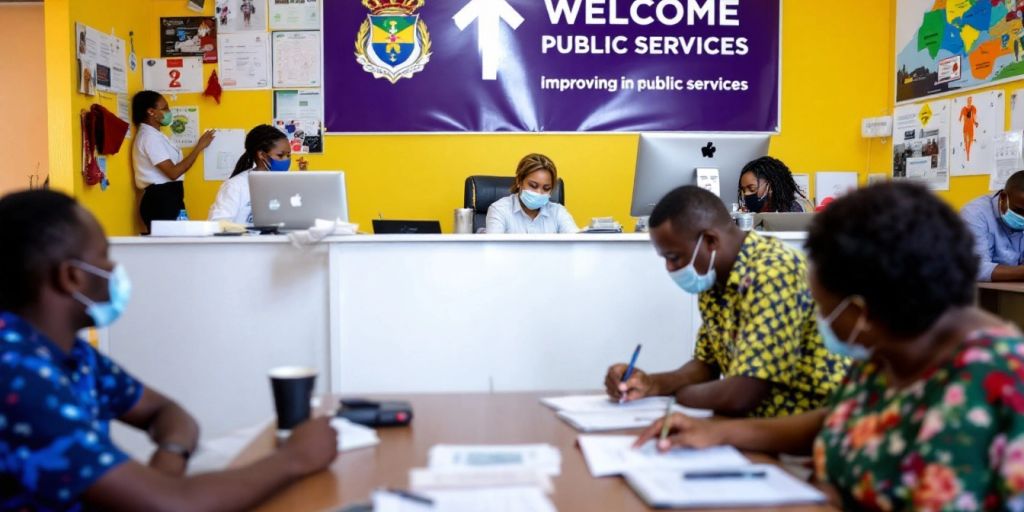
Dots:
{"x": 396, "y": 314}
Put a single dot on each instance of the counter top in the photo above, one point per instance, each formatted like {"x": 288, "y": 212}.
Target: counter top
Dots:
{"x": 378, "y": 239}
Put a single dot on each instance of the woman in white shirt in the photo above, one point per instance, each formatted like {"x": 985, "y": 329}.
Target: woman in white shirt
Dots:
{"x": 266, "y": 149}
{"x": 529, "y": 209}
{"x": 159, "y": 165}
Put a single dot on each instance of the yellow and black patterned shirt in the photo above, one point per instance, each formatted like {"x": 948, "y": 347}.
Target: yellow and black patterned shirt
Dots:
{"x": 762, "y": 324}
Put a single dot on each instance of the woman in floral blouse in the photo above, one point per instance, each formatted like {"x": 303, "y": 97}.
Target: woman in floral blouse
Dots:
{"x": 930, "y": 415}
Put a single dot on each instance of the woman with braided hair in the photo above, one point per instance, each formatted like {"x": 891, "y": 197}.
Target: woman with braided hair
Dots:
{"x": 766, "y": 185}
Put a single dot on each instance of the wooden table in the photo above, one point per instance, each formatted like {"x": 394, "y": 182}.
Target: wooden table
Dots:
{"x": 1003, "y": 299}
{"x": 505, "y": 418}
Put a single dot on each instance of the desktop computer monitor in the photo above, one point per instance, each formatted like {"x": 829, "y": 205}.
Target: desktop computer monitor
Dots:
{"x": 294, "y": 200}
{"x": 665, "y": 161}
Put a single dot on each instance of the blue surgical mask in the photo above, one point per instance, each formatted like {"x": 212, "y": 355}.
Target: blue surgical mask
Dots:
{"x": 1013, "y": 220}
{"x": 279, "y": 165}
{"x": 104, "y": 314}
{"x": 687, "y": 277}
{"x": 848, "y": 348}
{"x": 533, "y": 200}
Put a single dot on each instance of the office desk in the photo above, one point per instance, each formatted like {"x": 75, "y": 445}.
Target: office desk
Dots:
{"x": 503, "y": 418}
{"x": 1003, "y": 299}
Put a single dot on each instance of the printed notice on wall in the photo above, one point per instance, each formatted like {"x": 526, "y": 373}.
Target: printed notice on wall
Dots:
{"x": 220, "y": 157}
{"x": 244, "y": 60}
{"x": 296, "y": 59}
{"x": 294, "y": 14}
{"x": 1008, "y": 150}
{"x": 185, "y": 126}
{"x": 176, "y": 75}
{"x": 920, "y": 145}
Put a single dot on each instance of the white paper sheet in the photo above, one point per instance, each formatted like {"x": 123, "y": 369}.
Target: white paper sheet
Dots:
{"x": 185, "y": 126}
{"x": 622, "y": 420}
{"x": 118, "y": 65}
{"x": 541, "y": 457}
{"x": 829, "y": 185}
{"x": 522, "y": 499}
{"x": 244, "y": 61}
{"x": 241, "y": 16}
{"x": 220, "y": 157}
{"x": 803, "y": 184}
{"x": 353, "y": 436}
{"x": 426, "y": 479}
{"x": 614, "y": 455}
{"x": 602, "y": 403}
{"x": 297, "y": 104}
{"x": 921, "y": 139}
{"x": 973, "y": 131}
{"x": 296, "y": 58}
{"x": 294, "y": 15}
{"x": 1017, "y": 110}
{"x": 668, "y": 489}
{"x": 1007, "y": 159}
{"x": 173, "y": 75}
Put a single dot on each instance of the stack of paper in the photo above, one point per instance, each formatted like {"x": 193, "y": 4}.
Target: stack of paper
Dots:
{"x": 352, "y": 436}
{"x": 615, "y": 455}
{"x": 755, "y": 485}
{"x": 521, "y": 499}
{"x": 596, "y": 413}
{"x": 540, "y": 457}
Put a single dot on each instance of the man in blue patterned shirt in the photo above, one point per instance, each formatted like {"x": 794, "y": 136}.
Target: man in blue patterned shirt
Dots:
{"x": 58, "y": 394}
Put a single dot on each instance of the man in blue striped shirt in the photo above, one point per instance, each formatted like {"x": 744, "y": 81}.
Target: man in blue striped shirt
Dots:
{"x": 997, "y": 222}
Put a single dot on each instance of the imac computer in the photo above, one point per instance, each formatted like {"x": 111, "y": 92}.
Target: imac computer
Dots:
{"x": 294, "y": 200}
{"x": 665, "y": 161}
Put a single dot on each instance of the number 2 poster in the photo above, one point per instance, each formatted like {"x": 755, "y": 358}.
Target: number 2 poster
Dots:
{"x": 178, "y": 75}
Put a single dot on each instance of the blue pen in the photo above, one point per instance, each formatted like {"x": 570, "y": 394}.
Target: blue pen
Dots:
{"x": 629, "y": 370}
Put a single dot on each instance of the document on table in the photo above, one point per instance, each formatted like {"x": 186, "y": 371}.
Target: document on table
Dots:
{"x": 520, "y": 499}
{"x": 602, "y": 403}
{"x": 614, "y": 455}
{"x": 669, "y": 489}
{"x": 595, "y": 413}
{"x": 541, "y": 457}
{"x": 352, "y": 436}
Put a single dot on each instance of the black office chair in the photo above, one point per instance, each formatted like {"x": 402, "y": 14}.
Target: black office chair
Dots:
{"x": 482, "y": 191}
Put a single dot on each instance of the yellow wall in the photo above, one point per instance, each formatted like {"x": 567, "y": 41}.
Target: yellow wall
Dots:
{"x": 22, "y": 95}
{"x": 831, "y": 79}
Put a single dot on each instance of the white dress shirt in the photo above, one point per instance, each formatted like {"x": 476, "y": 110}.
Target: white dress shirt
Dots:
{"x": 233, "y": 202}
{"x": 506, "y": 215}
{"x": 152, "y": 147}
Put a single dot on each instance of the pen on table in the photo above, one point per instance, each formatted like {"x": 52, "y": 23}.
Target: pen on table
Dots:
{"x": 718, "y": 475}
{"x": 664, "y": 422}
{"x": 418, "y": 498}
{"x": 629, "y": 372}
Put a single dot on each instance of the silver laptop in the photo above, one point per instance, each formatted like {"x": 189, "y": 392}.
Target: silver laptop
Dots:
{"x": 294, "y": 200}
{"x": 780, "y": 221}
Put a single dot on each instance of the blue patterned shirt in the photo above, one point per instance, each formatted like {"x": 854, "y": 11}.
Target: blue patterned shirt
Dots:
{"x": 55, "y": 410}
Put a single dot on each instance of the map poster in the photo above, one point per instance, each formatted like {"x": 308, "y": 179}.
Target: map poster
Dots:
{"x": 976, "y": 122}
{"x": 953, "y": 45}
{"x": 920, "y": 143}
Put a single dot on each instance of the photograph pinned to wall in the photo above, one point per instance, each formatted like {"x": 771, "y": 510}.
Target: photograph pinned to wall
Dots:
{"x": 830, "y": 186}
{"x": 304, "y": 135}
{"x": 294, "y": 15}
{"x": 177, "y": 75}
{"x": 244, "y": 60}
{"x": 1009, "y": 147}
{"x": 185, "y": 126}
{"x": 976, "y": 120}
{"x": 296, "y": 58}
{"x": 220, "y": 157}
{"x": 241, "y": 16}
{"x": 920, "y": 149}
{"x": 190, "y": 36}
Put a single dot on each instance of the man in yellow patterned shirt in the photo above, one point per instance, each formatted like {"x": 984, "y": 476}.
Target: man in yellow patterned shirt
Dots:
{"x": 758, "y": 350}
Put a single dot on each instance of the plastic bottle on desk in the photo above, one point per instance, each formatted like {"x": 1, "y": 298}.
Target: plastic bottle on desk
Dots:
{"x": 182, "y": 215}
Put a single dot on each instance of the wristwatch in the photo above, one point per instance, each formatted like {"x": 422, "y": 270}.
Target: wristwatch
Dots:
{"x": 176, "y": 449}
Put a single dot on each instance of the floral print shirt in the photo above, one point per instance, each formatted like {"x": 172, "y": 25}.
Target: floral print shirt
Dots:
{"x": 953, "y": 440}
{"x": 55, "y": 409}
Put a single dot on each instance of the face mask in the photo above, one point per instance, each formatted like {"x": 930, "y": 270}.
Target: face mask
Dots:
{"x": 754, "y": 203}
{"x": 120, "y": 288}
{"x": 279, "y": 165}
{"x": 839, "y": 347}
{"x": 533, "y": 200}
{"x": 687, "y": 277}
{"x": 1013, "y": 220}
{"x": 167, "y": 119}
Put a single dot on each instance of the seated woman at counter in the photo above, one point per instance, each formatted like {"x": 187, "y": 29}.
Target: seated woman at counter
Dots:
{"x": 930, "y": 415}
{"x": 266, "y": 149}
{"x": 766, "y": 185}
{"x": 529, "y": 208}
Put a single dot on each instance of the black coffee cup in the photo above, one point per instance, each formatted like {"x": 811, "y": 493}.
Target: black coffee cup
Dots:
{"x": 293, "y": 389}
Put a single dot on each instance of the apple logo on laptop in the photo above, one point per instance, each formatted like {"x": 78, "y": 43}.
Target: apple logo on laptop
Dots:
{"x": 709, "y": 150}
{"x": 274, "y": 205}
{"x": 296, "y": 201}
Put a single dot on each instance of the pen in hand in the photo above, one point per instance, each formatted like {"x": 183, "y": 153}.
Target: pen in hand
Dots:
{"x": 664, "y": 425}
{"x": 629, "y": 372}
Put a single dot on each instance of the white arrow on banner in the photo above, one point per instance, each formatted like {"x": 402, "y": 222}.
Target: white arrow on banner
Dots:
{"x": 490, "y": 14}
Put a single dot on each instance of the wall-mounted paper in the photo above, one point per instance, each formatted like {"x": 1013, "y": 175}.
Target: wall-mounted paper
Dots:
{"x": 976, "y": 120}
{"x": 244, "y": 60}
{"x": 294, "y": 15}
{"x": 241, "y": 15}
{"x": 920, "y": 148}
{"x": 1008, "y": 149}
{"x": 803, "y": 185}
{"x": 830, "y": 186}
{"x": 177, "y": 75}
{"x": 707, "y": 179}
{"x": 296, "y": 59}
{"x": 220, "y": 157}
{"x": 185, "y": 126}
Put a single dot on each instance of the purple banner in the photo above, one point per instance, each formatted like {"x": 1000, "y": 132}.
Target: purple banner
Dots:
{"x": 551, "y": 65}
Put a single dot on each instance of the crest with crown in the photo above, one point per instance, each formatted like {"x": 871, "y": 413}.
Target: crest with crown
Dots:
{"x": 378, "y": 7}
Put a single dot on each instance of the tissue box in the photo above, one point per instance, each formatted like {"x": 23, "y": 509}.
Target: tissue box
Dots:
{"x": 184, "y": 228}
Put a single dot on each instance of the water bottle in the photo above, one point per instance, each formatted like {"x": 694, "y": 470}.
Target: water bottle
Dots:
{"x": 183, "y": 215}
